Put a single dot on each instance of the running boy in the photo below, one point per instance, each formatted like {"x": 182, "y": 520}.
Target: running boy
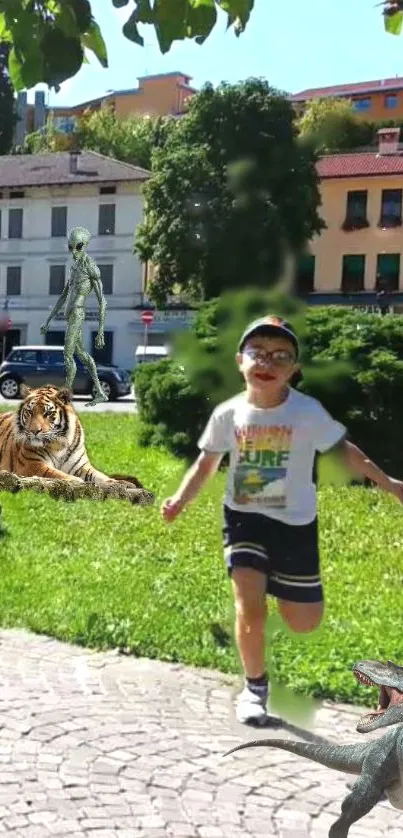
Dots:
{"x": 270, "y": 521}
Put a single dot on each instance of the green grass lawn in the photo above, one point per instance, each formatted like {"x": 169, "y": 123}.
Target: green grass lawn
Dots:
{"x": 112, "y": 575}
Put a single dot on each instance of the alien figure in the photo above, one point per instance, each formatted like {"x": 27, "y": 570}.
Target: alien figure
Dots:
{"x": 84, "y": 277}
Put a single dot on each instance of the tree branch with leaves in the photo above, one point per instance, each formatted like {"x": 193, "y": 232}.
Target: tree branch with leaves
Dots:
{"x": 48, "y": 39}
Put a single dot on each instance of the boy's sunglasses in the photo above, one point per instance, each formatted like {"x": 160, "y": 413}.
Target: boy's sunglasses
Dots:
{"x": 280, "y": 357}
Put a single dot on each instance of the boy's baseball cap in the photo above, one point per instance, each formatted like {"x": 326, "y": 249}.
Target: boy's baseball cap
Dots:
{"x": 270, "y": 325}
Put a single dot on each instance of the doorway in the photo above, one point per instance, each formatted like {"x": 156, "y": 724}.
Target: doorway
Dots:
{"x": 11, "y": 338}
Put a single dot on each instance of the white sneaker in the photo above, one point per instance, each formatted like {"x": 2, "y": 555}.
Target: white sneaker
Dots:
{"x": 251, "y": 707}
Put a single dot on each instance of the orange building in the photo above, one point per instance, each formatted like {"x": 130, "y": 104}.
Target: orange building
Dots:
{"x": 375, "y": 101}
{"x": 358, "y": 260}
{"x": 159, "y": 95}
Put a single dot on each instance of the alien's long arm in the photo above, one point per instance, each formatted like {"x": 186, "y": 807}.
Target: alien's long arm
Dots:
{"x": 58, "y": 305}
{"x": 97, "y": 286}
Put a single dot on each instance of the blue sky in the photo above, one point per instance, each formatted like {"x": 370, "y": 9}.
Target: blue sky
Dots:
{"x": 294, "y": 45}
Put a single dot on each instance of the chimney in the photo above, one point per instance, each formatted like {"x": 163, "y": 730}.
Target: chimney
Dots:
{"x": 74, "y": 156}
{"x": 388, "y": 140}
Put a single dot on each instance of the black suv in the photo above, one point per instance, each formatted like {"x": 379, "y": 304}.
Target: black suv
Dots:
{"x": 39, "y": 365}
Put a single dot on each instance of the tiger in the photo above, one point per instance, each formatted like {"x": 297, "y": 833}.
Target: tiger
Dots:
{"x": 45, "y": 438}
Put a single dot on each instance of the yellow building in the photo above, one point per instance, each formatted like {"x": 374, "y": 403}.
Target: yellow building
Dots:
{"x": 358, "y": 260}
{"x": 159, "y": 95}
{"x": 375, "y": 101}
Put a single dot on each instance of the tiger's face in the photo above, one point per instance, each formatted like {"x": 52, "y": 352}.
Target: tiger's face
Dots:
{"x": 43, "y": 416}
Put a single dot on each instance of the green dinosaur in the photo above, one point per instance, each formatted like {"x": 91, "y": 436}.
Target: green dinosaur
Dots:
{"x": 379, "y": 763}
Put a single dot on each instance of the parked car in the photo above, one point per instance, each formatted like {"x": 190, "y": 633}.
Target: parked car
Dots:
{"x": 146, "y": 354}
{"x": 39, "y": 365}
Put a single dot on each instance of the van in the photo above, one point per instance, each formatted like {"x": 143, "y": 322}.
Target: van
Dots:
{"x": 150, "y": 353}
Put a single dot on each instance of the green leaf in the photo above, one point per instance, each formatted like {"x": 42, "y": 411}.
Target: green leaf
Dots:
{"x": 63, "y": 56}
{"x": 5, "y": 34}
{"x": 15, "y": 70}
{"x": 238, "y": 12}
{"x": 82, "y": 14}
{"x": 94, "y": 41}
{"x": 394, "y": 23}
{"x": 176, "y": 20}
{"x": 130, "y": 30}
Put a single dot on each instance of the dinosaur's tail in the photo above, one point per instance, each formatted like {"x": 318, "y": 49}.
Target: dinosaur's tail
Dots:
{"x": 347, "y": 758}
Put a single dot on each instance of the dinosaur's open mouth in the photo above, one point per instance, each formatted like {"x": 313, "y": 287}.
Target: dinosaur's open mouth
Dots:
{"x": 387, "y": 697}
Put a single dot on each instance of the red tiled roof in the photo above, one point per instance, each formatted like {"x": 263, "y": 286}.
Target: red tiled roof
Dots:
{"x": 365, "y": 164}
{"x": 359, "y": 88}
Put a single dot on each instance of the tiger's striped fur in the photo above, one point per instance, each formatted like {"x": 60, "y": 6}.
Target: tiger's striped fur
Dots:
{"x": 45, "y": 438}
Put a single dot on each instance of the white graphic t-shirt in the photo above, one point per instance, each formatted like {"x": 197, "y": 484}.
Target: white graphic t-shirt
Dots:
{"x": 272, "y": 452}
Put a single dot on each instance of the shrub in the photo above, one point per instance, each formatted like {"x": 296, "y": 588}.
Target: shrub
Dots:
{"x": 352, "y": 362}
{"x": 171, "y": 411}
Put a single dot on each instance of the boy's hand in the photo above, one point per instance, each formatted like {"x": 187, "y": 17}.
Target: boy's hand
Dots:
{"x": 395, "y": 487}
{"x": 170, "y": 509}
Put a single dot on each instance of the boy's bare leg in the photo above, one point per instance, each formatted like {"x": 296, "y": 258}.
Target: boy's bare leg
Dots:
{"x": 249, "y": 587}
{"x": 301, "y": 617}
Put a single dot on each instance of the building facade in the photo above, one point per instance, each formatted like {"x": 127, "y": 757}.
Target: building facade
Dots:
{"x": 41, "y": 198}
{"x": 158, "y": 95}
{"x": 374, "y": 101}
{"x": 358, "y": 259}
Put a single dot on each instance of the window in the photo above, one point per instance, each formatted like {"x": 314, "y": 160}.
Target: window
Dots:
{"x": 353, "y": 273}
{"x": 391, "y": 208}
{"x": 24, "y": 356}
{"x": 14, "y": 281}
{"x": 65, "y": 124}
{"x": 59, "y": 221}
{"x": 51, "y": 359}
{"x": 362, "y": 104}
{"x": 391, "y": 100}
{"x": 107, "y": 278}
{"x": 356, "y": 210}
{"x": 57, "y": 277}
{"x": 17, "y": 194}
{"x": 107, "y": 190}
{"x": 15, "y": 224}
{"x": 387, "y": 272}
{"x": 305, "y": 278}
{"x": 106, "y": 222}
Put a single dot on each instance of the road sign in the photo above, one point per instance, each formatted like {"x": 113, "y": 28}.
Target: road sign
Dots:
{"x": 147, "y": 317}
{"x": 5, "y": 323}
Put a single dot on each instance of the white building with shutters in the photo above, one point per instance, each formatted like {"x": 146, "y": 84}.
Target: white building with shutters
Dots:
{"x": 41, "y": 198}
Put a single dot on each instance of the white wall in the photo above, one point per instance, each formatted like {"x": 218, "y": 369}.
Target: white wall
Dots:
{"x": 37, "y": 250}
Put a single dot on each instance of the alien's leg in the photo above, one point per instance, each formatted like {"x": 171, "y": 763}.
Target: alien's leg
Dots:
{"x": 89, "y": 362}
{"x": 365, "y": 794}
{"x": 74, "y": 326}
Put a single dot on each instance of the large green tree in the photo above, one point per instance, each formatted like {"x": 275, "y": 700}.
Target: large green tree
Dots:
{"x": 7, "y": 103}
{"x": 49, "y": 37}
{"x": 231, "y": 192}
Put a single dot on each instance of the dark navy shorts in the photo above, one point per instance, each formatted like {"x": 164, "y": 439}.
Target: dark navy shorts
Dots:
{"x": 287, "y": 555}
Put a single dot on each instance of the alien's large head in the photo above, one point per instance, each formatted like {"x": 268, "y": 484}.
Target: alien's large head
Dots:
{"x": 78, "y": 240}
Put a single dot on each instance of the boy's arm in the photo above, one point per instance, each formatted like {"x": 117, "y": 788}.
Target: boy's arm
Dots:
{"x": 204, "y": 467}
{"x": 362, "y": 466}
